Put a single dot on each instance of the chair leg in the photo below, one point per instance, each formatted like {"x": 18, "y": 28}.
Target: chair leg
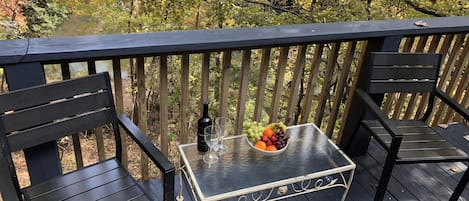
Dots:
{"x": 461, "y": 186}
{"x": 384, "y": 179}
{"x": 387, "y": 168}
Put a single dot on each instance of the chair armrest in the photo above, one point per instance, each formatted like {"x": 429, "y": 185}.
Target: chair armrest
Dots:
{"x": 153, "y": 153}
{"x": 376, "y": 111}
{"x": 453, "y": 104}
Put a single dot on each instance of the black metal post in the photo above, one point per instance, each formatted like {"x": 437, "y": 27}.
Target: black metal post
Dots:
{"x": 43, "y": 160}
{"x": 387, "y": 168}
{"x": 461, "y": 186}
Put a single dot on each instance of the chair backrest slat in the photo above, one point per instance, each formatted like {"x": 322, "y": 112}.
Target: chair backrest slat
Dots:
{"x": 43, "y": 114}
{"x": 22, "y": 98}
{"x": 40, "y": 114}
{"x": 54, "y": 130}
{"x": 411, "y": 59}
{"x": 403, "y": 72}
{"x": 391, "y": 86}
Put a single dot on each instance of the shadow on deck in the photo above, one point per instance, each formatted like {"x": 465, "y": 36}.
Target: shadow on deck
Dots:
{"x": 419, "y": 182}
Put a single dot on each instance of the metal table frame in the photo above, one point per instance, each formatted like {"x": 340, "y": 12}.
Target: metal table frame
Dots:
{"x": 316, "y": 181}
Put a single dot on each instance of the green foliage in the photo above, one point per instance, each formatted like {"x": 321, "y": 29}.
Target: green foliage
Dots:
{"x": 133, "y": 16}
{"x": 43, "y": 17}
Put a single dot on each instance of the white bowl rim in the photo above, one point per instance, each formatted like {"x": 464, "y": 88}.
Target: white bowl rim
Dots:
{"x": 270, "y": 153}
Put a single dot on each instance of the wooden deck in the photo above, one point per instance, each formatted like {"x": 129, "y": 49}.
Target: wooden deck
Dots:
{"x": 419, "y": 182}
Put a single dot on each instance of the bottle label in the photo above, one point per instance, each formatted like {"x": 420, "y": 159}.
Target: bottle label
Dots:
{"x": 201, "y": 144}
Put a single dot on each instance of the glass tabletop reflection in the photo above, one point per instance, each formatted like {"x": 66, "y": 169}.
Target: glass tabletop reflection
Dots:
{"x": 309, "y": 152}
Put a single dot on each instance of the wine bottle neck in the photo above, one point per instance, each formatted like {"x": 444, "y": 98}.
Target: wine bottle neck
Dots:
{"x": 205, "y": 111}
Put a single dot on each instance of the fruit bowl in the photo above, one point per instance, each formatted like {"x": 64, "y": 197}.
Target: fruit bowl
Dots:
{"x": 264, "y": 152}
{"x": 267, "y": 140}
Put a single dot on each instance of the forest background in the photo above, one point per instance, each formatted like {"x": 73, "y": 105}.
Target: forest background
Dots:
{"x": 57, "y": 18}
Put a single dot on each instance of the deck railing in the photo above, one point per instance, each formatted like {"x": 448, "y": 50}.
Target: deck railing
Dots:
{"x": 294, "y": 74}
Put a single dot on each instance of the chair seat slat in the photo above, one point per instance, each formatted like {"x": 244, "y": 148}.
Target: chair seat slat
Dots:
{"x": 405, "y": 127}
{"x": 64, "y": 192}
{"x": 430, "y": 145}
{"x": 429, "y": 155}
{"x": 73, "y": 177}
{"x": 101, "y": 181}
{"x": 414, "y": 138}
{"x": 98, "y": 192}
{"x": 133, "y": 193}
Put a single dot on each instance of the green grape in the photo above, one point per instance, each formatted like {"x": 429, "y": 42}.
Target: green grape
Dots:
{"x": 253, "y": 130}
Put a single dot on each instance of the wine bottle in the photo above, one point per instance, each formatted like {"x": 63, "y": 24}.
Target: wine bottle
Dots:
{"x": 203, "y": 122}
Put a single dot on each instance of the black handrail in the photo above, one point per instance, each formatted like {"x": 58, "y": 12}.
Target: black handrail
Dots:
{"x": 125, "y": 45}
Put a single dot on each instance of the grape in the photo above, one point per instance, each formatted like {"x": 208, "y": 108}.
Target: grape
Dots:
{"x": 253, "y": 130}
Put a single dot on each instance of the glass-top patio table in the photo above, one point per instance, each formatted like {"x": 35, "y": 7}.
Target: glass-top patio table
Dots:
{"x": 310, "y": 163}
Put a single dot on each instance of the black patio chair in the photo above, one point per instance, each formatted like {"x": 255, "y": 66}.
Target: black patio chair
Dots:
{"x": 408, "y": 141}
{"x": 45, "y": 113}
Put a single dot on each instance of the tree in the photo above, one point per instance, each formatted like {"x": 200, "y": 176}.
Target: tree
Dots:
{"x": 43, "y": 17}
{"x": 30, "y": 18}
{"x": 12, "y": 21}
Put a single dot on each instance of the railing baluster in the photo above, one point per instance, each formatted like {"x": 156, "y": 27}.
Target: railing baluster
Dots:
{"x": 225, "y": 85}
{"x": 351, "y": 93}
{"x": 421, "y": 44}
{"x": 311, "y": 85}
{"x": 341, "y": 85}
{"x": 98, "y": 131}
{"x": 184, "y": 106}
{"x": 325, "y": 92}
{"x": 205, "y": 79}
{"x": 459, "y": 93}
{"x": 295, "y": 83}
{"x": 399, "y": 105}
{"x": 243, "y": 90}
{"x": 458, "y": 88}
{"x": 391, "y": 97}
{"x": 91, "y": 66}
{"x": 424, "y": 98}
{"x": 142, "y": 111}
{"x": 261, "y": 82}
{"x": 408, "y": 44}
{"x": 450, "y": 74}
{"x": 119, "y": 99}
{"x": 65, "y": 67}
{"x": 401, "y": 97}
{"x": 164, "y": 99}
{"x": 448, "y": 66}
{"x": 413, "y": 99}
{"x": 278, "y": 88}
{"x": 444, "y": 48}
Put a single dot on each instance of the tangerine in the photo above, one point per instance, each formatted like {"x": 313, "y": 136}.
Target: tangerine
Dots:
{"x": 268, "y": 132}
{"x": 271, "y": 148}
{"x": 260, "y": 145}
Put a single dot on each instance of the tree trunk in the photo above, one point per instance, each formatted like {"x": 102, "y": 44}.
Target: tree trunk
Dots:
{"x": 368, "y": 9}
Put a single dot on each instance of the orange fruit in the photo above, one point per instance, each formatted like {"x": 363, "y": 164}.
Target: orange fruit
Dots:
{"x": 260, "y": 145}
{"x": 271, "y": 148}
{"x": 268, "y": 132}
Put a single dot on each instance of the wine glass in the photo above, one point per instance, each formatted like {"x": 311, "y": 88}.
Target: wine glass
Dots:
{"x": 222, "y": 126}
{"x": 211, "y": 138}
